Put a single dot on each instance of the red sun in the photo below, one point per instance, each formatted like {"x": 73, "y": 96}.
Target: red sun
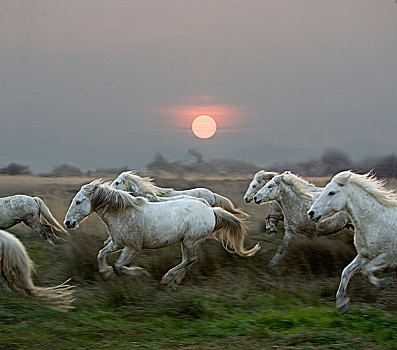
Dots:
{"x": 204, "y": 126}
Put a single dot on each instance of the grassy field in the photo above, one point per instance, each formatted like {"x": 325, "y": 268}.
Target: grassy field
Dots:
{"x": 224, "y": 302}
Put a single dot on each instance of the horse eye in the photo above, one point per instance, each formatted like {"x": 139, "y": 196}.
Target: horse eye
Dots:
{"x": 117, "y": 183}
{"x": 331, "y": 193}
{"x": 270, "y": 186}
{"x": 253, "y": 186}
{"x": 78, "y": 202}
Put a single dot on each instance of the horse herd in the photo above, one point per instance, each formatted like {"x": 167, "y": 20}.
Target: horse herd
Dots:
{"x": 140, "y": 215}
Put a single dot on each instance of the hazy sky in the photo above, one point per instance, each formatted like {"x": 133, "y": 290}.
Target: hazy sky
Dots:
{"x": 106, "y": 83}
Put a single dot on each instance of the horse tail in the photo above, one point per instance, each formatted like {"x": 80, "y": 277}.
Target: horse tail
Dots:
{"x": 48, "y": 217}
{"x": 17, "y": 267}
{"x": 227, "y": 204}
{"x": 231, "y": 231}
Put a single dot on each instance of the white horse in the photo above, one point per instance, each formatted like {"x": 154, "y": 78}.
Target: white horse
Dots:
{"x": 260, "y": 179}
{"x": 16, "y": 268}
{"x": 295, "y": 196}
{"x": 152, "y": 198}
{"x": 143, "y": 186}
{"x": 135, "y": 224}
{"x": 373, "y": 211}
{"x": 29, "y": 210}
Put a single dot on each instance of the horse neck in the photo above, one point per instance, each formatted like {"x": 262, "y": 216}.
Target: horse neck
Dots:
{"x": 103, "y": 215}
{"x": 111, "y": 216}
{"x": 288, "y": 198}
{"x": 166, "y": 191}
{"x": 148, "y": 196}
{"x": 139, "y": 192}
{"x": 361, "y": 207}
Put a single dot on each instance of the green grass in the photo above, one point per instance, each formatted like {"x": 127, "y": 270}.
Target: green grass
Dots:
{"x": 225, "y": 302}
{"x": 194, "y": 317}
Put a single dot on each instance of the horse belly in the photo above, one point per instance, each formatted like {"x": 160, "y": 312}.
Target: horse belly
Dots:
{"x": 192, "y": 221}
{"x": 152, "y": 239}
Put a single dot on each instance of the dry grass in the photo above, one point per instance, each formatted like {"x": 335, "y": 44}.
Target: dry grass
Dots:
{"x": 311, "y": 265}
{"x": 225, "y": 301}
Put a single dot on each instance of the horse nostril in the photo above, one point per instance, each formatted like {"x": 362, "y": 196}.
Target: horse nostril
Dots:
{"x": 311, "y": 213}
{"x": 246, "y": 200}
{"x": 67, "y": 223}
{"x": 257, "y": 200}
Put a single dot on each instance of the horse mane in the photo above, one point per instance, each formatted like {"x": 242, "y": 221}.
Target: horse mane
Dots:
{"x": 104, "y": 196}
{"x": 300, "y": 185}
{"x": 266, "y": 175}
{"x": 145, "y": 184}
{"x": 370, "y": 184}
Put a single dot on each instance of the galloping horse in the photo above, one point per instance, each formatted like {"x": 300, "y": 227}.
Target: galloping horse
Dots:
{"x": 143, "y": 186}
{"x": 373, "y": 211}
{"x": 29, "y": 210}
{"x": 135, "y": 224}
{"x": 16, "y": 268}
{"x": 295, "y": 195}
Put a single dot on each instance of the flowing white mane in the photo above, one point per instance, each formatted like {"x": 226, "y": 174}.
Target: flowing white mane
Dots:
{"x": 145, "y": 184}
{"x": 368, "y": 183}
{"x": 263, "y": 175}
{"x": 301, "y": 186}
{"x": 104, "y": 196}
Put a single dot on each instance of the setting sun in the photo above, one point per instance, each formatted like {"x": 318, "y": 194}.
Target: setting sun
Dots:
{"x": 204, "y": 126}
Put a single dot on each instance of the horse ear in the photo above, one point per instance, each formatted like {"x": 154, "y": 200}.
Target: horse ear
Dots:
{"x": 261, "y": 175}
{"x": 285, "y": 176}
{"x": 277, "y": 179}
{"x": 96, "y": 183}
{"x": 342, "y": 178}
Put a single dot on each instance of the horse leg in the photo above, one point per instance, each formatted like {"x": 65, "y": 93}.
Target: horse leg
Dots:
{"x": 274, "y": 217}
{"x": 189, "y": 256}
{"x": 4, "y": 285}
{"x": 281, "y": 249}
{"x": 104, "y": 269}
{"x": 45, "y": 231}
{"x": 270, "y": 224}
{"x": 373, "y": 265}
{"x": 125, "y": 257}
{"x": 108, "y": 239}
{"x": 342, "y": 302}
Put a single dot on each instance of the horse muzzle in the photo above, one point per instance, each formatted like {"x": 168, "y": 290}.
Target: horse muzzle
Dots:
{"x": 313, "y": 216}
{"x": 70, "y": 224}
{"x": 257, "y": 200}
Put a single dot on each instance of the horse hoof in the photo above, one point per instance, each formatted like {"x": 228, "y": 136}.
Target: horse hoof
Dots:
{"x": 107, "y": 274}
{"x": 385, "y": 284}
{"x": 344, "y": 308}
{"x": 166, "y": 280}
{"x": 171, "y": 287}
{"x": 343, "y": 304}
{"x": 146, "y": 273}
{"x": 272, "y": 264}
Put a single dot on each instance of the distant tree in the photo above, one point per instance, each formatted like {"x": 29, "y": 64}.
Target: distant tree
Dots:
{"x": 66, "y": 170}
{"x": 159, "y": 162}
{"x": 335, "y": 158}
{"x": 196, "y": 154}
{"x": 15, "y": 169}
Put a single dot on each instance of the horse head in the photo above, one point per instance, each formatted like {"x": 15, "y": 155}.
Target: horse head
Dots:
{"x": 259, "y": 180}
